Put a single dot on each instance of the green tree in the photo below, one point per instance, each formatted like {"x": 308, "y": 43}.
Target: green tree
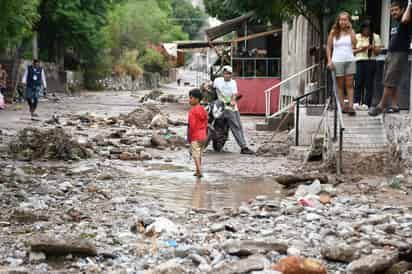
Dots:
{"x": 134, "y": 24}
{"x": 16, "y": 21}
{"x": 317, "y": 12}
{"x": 223, "y": 10}
{"x": 191, "y": 18}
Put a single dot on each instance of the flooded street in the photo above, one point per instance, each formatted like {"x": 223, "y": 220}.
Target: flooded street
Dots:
{"x": 86, "y": 188}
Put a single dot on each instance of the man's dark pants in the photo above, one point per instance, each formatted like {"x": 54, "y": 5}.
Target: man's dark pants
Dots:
{"x": 32, "y": 97}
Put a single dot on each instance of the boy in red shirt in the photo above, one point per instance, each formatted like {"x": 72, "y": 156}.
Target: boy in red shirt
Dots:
{"x": 197, "y": 129}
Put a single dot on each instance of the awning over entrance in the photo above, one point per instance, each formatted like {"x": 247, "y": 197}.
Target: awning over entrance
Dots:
{"x": 227, "y": 26}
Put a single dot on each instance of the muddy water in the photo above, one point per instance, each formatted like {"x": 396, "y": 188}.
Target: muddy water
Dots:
{"x": 176, "y": 187}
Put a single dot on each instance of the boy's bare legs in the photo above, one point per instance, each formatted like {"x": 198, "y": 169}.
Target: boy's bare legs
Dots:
{"x": 198, "y": 163}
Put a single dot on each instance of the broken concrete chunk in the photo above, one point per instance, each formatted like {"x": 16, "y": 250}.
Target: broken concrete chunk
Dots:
{"x": 375, "y": 263}
{"x": 242, "y": 266}
{"x": 242, "y": 248}
{"x": 61, "y": 247}
{"x": 340, "y": 252}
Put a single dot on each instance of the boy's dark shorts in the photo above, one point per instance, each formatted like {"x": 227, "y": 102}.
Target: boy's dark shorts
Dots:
{"x": 396, "y": 64}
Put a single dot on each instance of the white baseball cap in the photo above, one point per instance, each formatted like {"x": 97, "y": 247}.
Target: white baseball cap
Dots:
{"x": 227, "y": 69}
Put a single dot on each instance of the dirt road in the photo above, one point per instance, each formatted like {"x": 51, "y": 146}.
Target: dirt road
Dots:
{"x": 111, "y": 200}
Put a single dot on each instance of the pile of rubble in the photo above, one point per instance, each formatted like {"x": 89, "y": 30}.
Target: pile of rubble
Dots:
{"x": 51, "y": 144}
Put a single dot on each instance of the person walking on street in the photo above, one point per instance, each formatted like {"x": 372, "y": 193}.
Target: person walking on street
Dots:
{"x": 226, "y": 89}
{"x": 197, "y": 129}
{"x": 34, "y": 78}
{"x": 396, "y": 62}
{"x": 368, "y": 46}
{"x": 3, "y": 80}
{"x": 339, "y": 51}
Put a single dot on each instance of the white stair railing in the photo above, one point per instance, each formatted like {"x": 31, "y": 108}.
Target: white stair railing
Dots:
{"x": 268, "y": 91}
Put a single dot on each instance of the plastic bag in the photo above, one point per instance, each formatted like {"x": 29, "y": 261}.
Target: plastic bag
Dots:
{"x": 2, "y": 103}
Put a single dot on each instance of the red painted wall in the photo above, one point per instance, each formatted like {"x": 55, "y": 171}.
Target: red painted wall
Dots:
{"x": 253, "y": 100}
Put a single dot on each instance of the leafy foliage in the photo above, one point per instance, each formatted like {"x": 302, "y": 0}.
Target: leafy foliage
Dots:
{"x": 314, "y": 10}
{"x": 153, "y": 61}
{"x": 16, "y": 21}
{"x": 191, "y": 19}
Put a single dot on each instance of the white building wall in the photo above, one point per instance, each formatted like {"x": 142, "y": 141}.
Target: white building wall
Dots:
{"x": 298, "y": 36}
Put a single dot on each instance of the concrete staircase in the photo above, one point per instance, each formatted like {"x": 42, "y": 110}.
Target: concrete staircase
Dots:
{"x": 364, "y": 133}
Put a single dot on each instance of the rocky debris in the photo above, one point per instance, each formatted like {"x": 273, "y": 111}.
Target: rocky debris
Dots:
{"x": 299, "y": 265}
{"x": 290, "y": 180}
{"x": 60, "y": 247}
{"x": 153, "y": 95}
{"x": 14, "y": 270}
{"x": 398, "y": 268}
{"x": 273, "y": 150}
{"x": 162, "y": 140}
{"x": 249, "y": 247}
{"x": 170, "y": 267}
{"x": 52, "y": 144}
{"x": 339, "y": 251}
{"x": 22, "y": 215}
{"x": 168, "y": 98}
{"x": 37, "y": 257}
{"x": 141, "y": 117}
{"x": 159, "y": 121}
{"x": 242, "y": 266}
{"x": 374, "y": 263}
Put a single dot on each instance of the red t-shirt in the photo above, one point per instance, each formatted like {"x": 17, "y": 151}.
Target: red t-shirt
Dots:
{"x": 197, "y": 130}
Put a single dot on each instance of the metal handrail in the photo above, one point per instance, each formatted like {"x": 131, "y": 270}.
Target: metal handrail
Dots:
{"x": 269, "y": 90}
{"x": 338, "y": 121}
{"x": 338, "y": 106}
{"x": 308, "y": 94}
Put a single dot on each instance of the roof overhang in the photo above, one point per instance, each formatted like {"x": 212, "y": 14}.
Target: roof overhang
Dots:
{"x": 227, "y": 26}
{"x": 197, "y": 45}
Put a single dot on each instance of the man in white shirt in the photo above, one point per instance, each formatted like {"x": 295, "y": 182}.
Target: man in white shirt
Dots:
{"x": 226, "y": 89}
{"x": 34, "y": 78}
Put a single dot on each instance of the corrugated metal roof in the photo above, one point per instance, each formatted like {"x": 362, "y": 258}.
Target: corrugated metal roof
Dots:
{"x": 227, "y": 26}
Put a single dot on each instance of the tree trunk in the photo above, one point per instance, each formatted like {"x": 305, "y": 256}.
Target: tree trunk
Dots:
{"x": 35, "y": 45}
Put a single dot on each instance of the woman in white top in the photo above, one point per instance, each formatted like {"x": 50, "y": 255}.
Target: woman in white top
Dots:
{"x": 339, "y": 51}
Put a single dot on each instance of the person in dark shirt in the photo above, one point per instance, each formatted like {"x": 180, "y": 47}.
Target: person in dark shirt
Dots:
{"x": 34, "y": 78}
{"x": 396, "y": 62}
